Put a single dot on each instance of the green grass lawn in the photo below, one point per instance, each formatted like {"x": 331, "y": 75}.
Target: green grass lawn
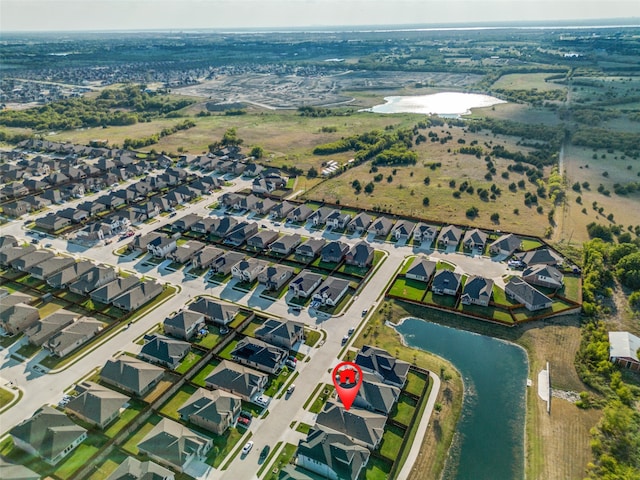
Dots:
{"x": 131, "y": 445}
{"x": 124, "y": 418}
{"x": 341, "y": 304}
{"x": 403, "y": 410}
{"x": 226, "y": 351}
{"x": 408, "y": 288}
{"x": 377, "y": 469}
{"x": 246, "y": 286}
{"x": 440, "y": 300}
{"x": 408, "y": 264}
{"x": 571, "y": 289}
{"x": 277, "y": 382}
{"x": 202, "y": 375}
{"x": 283, "y": 459}
{"x": 79, "y": 456}
{"x": 15, "y": 455}
{"x": 28, "y": 350}
{"x": 222, "y": 446}
{"x": 494, "y": 313}
{"x": 239, "y": 318}
{"x": 391, "y": 442}
{"x": 116, "y": 457}
{"x": 444, "y": 266}
{"x": 211, "y": 339}
{"x": 325, "y": 394}
{"x": 530, "y": 244}
{"x": 354, "y": 270}
{"x": 6, "y": 342}
{"x": 500, "y": 298}
{"x": 170, "y": 409}
{"x": 250, "y": 329}
{"x": 189, "y": 361}
{"x": 311, "y": 337}
{"x": 5, "y": 397}
{"x": 303, "y": 428}
{"x": 415, "y": 383}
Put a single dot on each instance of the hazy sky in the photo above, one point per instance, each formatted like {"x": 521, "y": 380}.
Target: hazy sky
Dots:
{"x": 49, "y": 15}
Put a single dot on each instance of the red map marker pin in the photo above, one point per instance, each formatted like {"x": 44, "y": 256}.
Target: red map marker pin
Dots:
{"x": 347, "y": 378}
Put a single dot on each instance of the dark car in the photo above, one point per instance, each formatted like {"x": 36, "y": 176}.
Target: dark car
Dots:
{"x": 265, "y": 452}
{"x": 246, "y": 414}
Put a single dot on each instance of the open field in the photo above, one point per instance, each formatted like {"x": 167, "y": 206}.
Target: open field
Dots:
{"x": 527, "y": 81}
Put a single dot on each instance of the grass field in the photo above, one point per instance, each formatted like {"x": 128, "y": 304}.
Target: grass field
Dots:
{"x": 170, "y": 409}
{"x": 189, "y": 361}
{"x": 527, "y": 81}
{"x": 131, "y": 445}
{"x": 5, "y": 397}
{"x": 124, "y": 418}
{"x": 202, "y": 375}
{"x": 408, "y": 288}
{"x": 321, "y": 399}
{"x": 403, "y": 410}
{"x": 391, "y": 442}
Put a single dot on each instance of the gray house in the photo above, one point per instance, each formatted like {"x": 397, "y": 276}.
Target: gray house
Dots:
{"x": 361, "y": 426}
{"x": 474, "y": 239}
{"x": 281, "y": 210}
{"x": 360, "y": 255}
{"x": 44, "y": 329}
{"x": 305, "y": 283}
{"x": 386, "y": 367}
{"x": 446, "y": 282}
{"x": 131, "y": 375}
{"x": 185, "y": 252}
{"x": 360, "y": 223}
{"x": 133, "y": 468}
{"x": 215, "y": 311}
{"x": 46, "y": 269}
{"x": 421, "y": 270}
{"x": 30, "y": 260}
{"x": 381, "y": 227}
{"x": 260, "y": 355}
{"x": 73, "y": 336}
{"x": 282, "y": 333}
{"x": 70, "y": 274}
{"x": 543, "y": 276}
{"x": 262, "y": 239}
{"x": 334, "y": 251}
{"x": 505, "y": 245}
{"x": 184, "y": 324}
{"x": 311, "y": 248}
{"x": 524, "y": 293}
{"x": 205, "y": 257}
{"x": 237, "y": 379}
{"x": 112, "y": 290}
{"x": 96, "y": 404}
{"x": 215, "y": 411}
{"x": 285, "y": 244}
{"x": 424, "y": 232}
{"x": 542, "y": 256}
{"x": 275, "y": 276}
{"x": 331, "y": 291}
{"x": 299, "y": 214}
{"x": 165, "y": 351}
{"x": 449, "y": 236}
{"x": 223, "y": 264}
{"x": 477, "y": 291}
{"x": 142, "y": 293}
{"x": 403, "y": 229}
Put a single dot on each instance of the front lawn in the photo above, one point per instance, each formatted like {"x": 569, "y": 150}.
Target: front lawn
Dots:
{"x": 222, "y": 446}
{"x": 277, "y": 382}
{"x": 408, "y": 288}
{"x": 170, "y": 408}
{"x": 189, "y": 361}
{"x": 325, "y": 394}
{"x": 311, "y": 337}
{"x": 202, "y": 375}
{"x": 282, "y": 461}
{"x": 6, "y": 397}
{"x": 303, "y": 428}
{"x": 28, "y": 350}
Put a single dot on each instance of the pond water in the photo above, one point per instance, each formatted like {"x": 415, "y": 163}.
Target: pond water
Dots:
{"x": 489, "y": 442}
{"x": 444, "y": 103}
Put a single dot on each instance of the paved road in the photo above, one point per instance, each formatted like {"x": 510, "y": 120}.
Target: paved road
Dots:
{"x": 40, "y": 388}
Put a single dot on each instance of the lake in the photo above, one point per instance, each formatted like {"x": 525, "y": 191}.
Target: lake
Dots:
{"x": 444, "y": 104}
{"x": 489, "y": 442}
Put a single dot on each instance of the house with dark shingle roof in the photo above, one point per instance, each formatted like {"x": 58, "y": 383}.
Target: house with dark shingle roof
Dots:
{"x": 18, "y": 317}
{"x": 14, "y": 471}
{"x": 143, "y": 292}
{"x": 204, "y": 225}
{"x": 73, "y": 336}
{"x": 421, "y": 270}
{"x": 262, "y": 239}
{"x": 331, "y": 291}
{"x": 282, "y": 333}
{"x": 215, "y": 411}
{"x": 360, "y": 255}
{"x": 131, "y": 375}
{"x": 185, "y": 252}
{"x": 275, "y": 276}
{"x": 223, "y": 264}
{"x": 361, "y": 426}
{"x": 185, "y": 223}
{"x": 215, "y": 311}
{"x": 305, "y": 283}
{"x": 319, "y": 217}
{"x": 449, "y": 236}
{"x": 446, "y": 282}
{"x": 26, "y": 262}
{"x": 8, "y": 241}
{"x": 375, "y": 395}
{"x": 224, "y": 226}
{"x": 96, "y": 404}
{"x": 49, "y": 267}
{"x": 239, "y": 380}
{"x": 281, "y": 210}
{"x": 184, "y": 324}
{"x": 260, "y": 355}
{"x": 386, "y": 367}
{"x": 52, "y": 222}
{"x": 242, "y": 232}
{"x": 10, "y": 254}
{"x": 164, "y": 351}
{"x": 133, "y": 469}
{"x": 338, "y": 220}
{"x": 474, "y": 239}
{"x": 334, "y": 251}
{"x": 162, "y": 246}
{"x": 331, "y": 455}
{"x": 381, "y": 226}
{"x": 541, "y": 256}
{"x": 48, "y": 434}
{"x": 173, "y": 444}
{"x": 477, "y": 291}
{"x": 524, "y": 293}
{"x": 247, "y": 270}
{"x": 424, "y": 232}
{"x": 360, "y": 223}
{"x": 112, "y": 290}
{"x": 543, "y": 276}
{"x": 285, "y": 244}
{"x": 505, "y": 244}
{"x": 42, "y": 330}
{"x": 311, "y": 247}
{"x": 70, "y": 274}
{"x": 403, "y": 229}
{"x": 205, "y": 257}
{"x": 299, "y": 214}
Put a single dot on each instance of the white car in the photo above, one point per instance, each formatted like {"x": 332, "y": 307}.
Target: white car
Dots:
{"x": 247, "y": 447}
{"x": 263, "y": 400}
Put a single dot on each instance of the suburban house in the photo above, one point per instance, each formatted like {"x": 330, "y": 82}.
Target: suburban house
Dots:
{"x": 338, "y": 220}
{"x": 361, "y": 426}
{"x": 449, "y": 236}
{"x": 275, "y": 276}
{"x": 281, "y": 210}
{"x": 223, "y": 226}
{"x": 73, "y": 336}
{"x": 381, "y": 227}
{"x": 16, "y": 209}
{"x": 421, "y": 270}
{"x": 319, "y": 217}
{"x": 215, "y": 311}
{"x": 93, "y": 279}
{"x": 165, "y": 351}
{"x": 543, "y": 276}
{"x": 16, "y": 318}
{"x": 311, "y": 247}
{"x": 360, "y": 255}
{"x": 446, "y": 282}
{"x": 331, "y": 291}
{"x": 143, "y": 292}
{"x": 26, "y": 262}
{"x": 331, "y": 455}
{"x": 282, "y": 333}
{"x": 109, "y": 292}
{"x": 140, "y": 242}
{"x": 184, "y": 324}
{"x": 505, "y": 245}
{"x": 14, "y": 471}
{"x": 375, "y": 395}
{"x": 360, "y": 223}
{"x": 204, "y": 225}
{"x": 477, "y": 291}
{"x": 44, "y": 270}
{"x": 334, "y": 251}
{"x": 524, "y": 293}
{"x": 386, "y": 367}
{"x": 185, "y": 223}
{"x": 260, "y": 355}
{"x": 424, "y": 232}
{"x": 7, "y": 241}
{"x": 133, "y": 468}
{"x": 285, "y": 244}
{"x": 52, "y": 222}
{"x": 185, "y": 252}
{"x": 162, "y": 246}
{"x": 223, "y": 264}
{"x": 241, "y": 233}
{"x": 70, "y": 274}
{"x": 623, "y": 350}
{"x": 238, "y": 380}
{"x": 262, "y": 239}
{"x": 542, "y": 256}
{"x": 96, "y": 404}
{"x": 299, "y": 214}
{"x": 403, "y": 229}
{"x": 474, "y": 239}
{"x": 94, "y": 232}
{"x": 131, "y": 375}
{"x": 173, "y": 444}
{"x": 48, "y": 434}
{"x": 205, "y": 257}
{"x": 247, "y": 270}
{"x": 305, "y": 283}
{"x": 9, "y": 254}
{"x": 215, "y": 410}
{"x": 73, "y": 214}
{"x": 43, "y": 330}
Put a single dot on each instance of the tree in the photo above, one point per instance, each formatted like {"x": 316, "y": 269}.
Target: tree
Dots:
{"x": 257, "y": 152}
{"x": 425, "y": 201}
{"x": 312, "y": 173}
{"x": 427, "y": 180}
{"x": 472, "y": 212}
{"x": 495, "y": 217}
{"x": 368, "y": 188}
{"x": 230, "y": 138}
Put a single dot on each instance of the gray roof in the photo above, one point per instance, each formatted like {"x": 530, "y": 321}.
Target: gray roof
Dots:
{"x": 9, "y": 254}
{"x": 475, "y": 236}
{"x": 335, "y": 450}
{"x": 48, "y": 431}
{"x": 165, "y": 349}
{"x": 624, "y": 345}
{"x": 49, "y": 326}
{"x": 51, "y": 266}
{"x": 138, "y": 295}
{"x": 446, "y": 279}
{"x": 380, "y": 396}
{"x": 172, "y": 442}
{"x": 84, "y": 328}
{"x": 405, "y": 227}
{"x": 477, "y": 287}
{"x": 88, "y": 281}
{"x": 286, "y": 242}
{"x": 184, "y": 319}
{"x": 543, "y": 255}
{"x": 29, "y": 260}
{"x": 70, "y": 274}
{"x": 552, "y": 274}
{"x": 8, "y": 241}
{"x": 361, "y": 251}
{"x": 235, "y": 377}
{"x": 361, "y": 220}
{"x": 213, "y": 406}
{"x": 508, "y": 242}
{"x": 332, "y": 287}
{"x": 518, "y": 287}
{"x": 115, "y": 288}
{"x": 450, "y": 233}
{"x": 97, "y": 403}
{"x": 261, "y": 353}
{"x": 134, "y": 469}
{"x": 285, "y": 329}
{"x": 375, "y": 359}
{"x": 207, "y": 254}
{"x": 360, "y": 425}
{"x": 312, "y": 245}
{"x": 381, "y": 224}
{"x": 12, "y": 471}
{"x": 130, "y": 372}
{"x": 335, "y": 249}
{"x": 422, "y": 267}
{"x": 305, "y": 279}
{"x": 214, "y": 309}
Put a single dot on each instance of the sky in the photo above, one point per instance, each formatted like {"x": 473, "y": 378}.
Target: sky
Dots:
{"x": 88, "y": 15}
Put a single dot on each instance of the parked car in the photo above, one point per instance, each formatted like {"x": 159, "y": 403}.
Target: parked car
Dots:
{"x": 35, "y": 241}
{"x": 364, "y": 312}
{"x": 291, "y": 388}
{"x": 172, "y": 214}
{"x": 345, "y": 339}
{"x": 247, "y": 447}
{"x": 292, "y": 358}
{"x": 263, "y": 400}
{"x": 290, "y": 364}
{"x": 351, "y": 330}
{"x": 48, "y": 245}
{"x": 265, "y": 452}
{"x": 245, "y": 422}
{"x": 246, "y": 414}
